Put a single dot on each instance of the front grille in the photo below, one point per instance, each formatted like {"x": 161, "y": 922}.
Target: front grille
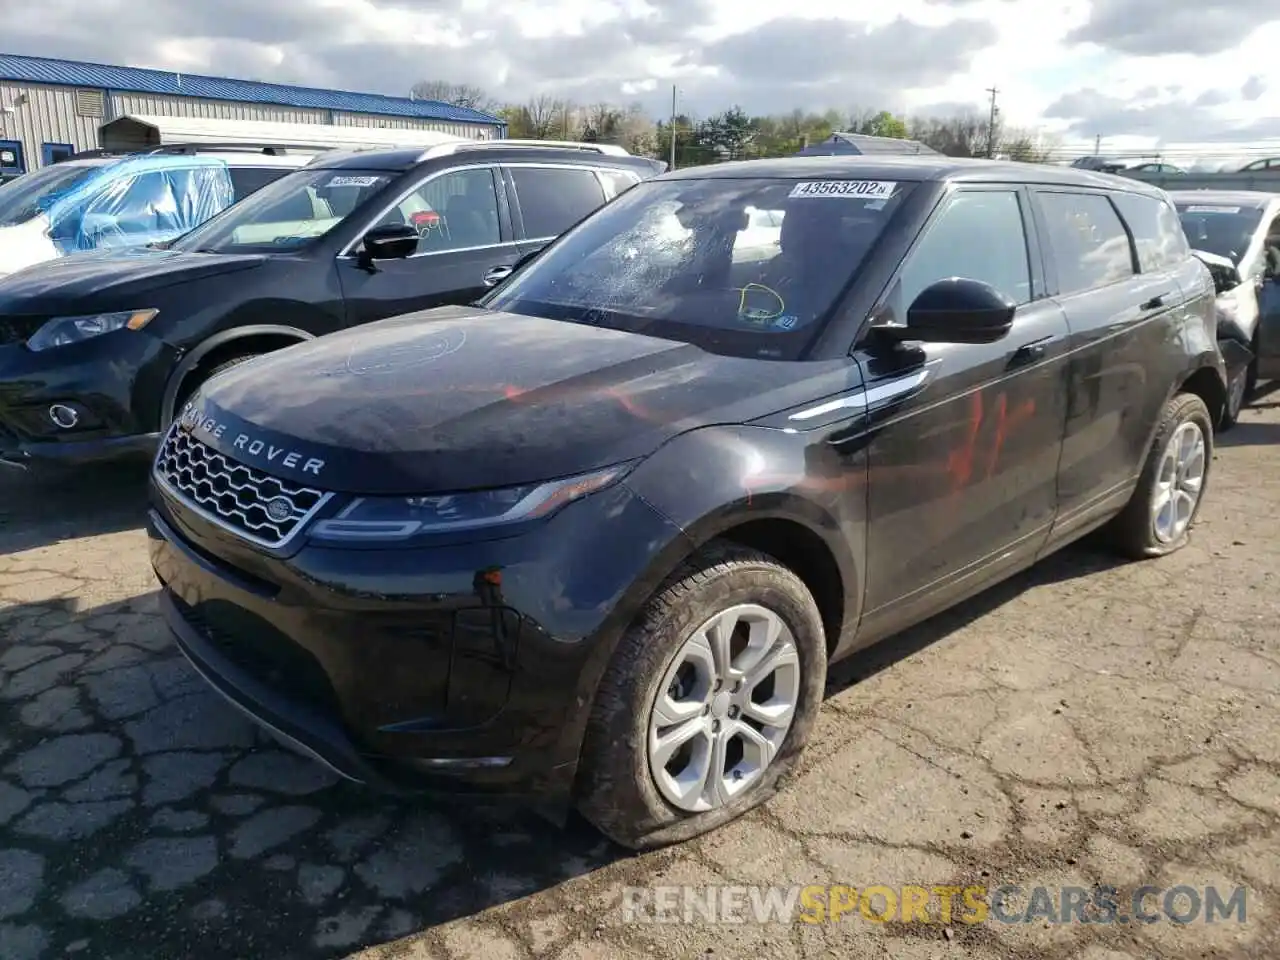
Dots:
{"x": 19, "y": 329}
{"x": 258, "y": 507}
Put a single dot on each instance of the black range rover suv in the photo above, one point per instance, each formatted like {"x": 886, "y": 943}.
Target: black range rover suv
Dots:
{"x": 598, "y": 537}
{"x": 97, "y": 352}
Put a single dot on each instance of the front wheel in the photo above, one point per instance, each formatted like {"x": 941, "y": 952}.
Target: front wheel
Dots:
{"x": 707, "y": 703}
{"x": 1158, "y": 518}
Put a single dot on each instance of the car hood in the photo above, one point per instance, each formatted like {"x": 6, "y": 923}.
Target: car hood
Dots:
{"x": 49, "y": 286}
{"x": 463, "y": 398}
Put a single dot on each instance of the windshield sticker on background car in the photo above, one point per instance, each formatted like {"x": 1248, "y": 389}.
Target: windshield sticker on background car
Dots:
{"x": 352, "y": 181}
{"x": 869, "y": 189}
{"x": 1201, "y": 208}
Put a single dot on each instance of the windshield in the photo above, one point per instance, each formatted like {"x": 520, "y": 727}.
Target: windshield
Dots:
{"x": 1223, "y": 229}
{"x": 290, "y": 213}
{"x": 35, "y": 192}
{"x": 745, "y": 267}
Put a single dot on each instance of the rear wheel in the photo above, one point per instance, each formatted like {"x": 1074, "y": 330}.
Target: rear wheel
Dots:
{"x": 1158, "y": 518}
{"x": 707, "y": 703}
{"x": 1237, "y": 395}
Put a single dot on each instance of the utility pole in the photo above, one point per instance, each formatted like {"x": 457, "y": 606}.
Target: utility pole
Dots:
{"x": 1097, "y": 144}
{"x": 991, "y": 124}
{"x": 673, "y": 126}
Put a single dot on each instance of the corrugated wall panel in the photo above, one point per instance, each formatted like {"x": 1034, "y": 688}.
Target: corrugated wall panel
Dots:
{"x": 48, "y": 116}
{"x": 149, "y": 104}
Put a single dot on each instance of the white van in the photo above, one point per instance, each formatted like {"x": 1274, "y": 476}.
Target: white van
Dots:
{"x": 93, "y": 202}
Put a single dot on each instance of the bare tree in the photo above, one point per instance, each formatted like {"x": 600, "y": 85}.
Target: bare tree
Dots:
{"x": 458, "y": 94}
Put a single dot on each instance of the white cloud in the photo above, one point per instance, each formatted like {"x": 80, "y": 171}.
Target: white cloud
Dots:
{"x": 1151, "y": 69}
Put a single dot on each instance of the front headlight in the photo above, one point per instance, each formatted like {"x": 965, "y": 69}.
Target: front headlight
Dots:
{"x": 61, "y": 331}
{"x": 373, "y": 519}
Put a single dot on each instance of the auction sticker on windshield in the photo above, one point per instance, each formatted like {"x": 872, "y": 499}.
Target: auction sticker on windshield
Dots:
{"x": 870, "y": 189}
{"x": 353, "y": 181}
{"x": 1203, "y": 208}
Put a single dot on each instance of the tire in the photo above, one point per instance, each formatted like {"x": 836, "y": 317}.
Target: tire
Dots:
{"x": 1237, "y": 397}
{"x": 195, "y": 380}
{"x": 617, "y": 790}
{"x": 1134, "y": 530}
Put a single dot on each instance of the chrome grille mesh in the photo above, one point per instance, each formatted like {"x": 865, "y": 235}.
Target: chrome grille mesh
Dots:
{"x": 252, "y": 504}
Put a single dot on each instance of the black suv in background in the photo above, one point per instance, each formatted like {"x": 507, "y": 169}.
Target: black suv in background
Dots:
{"x": 98, "y": 352}
{"x": 599, "y": 535}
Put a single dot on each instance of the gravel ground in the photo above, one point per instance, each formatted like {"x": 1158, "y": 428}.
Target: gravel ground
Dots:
{"x": 1087, "y": 723}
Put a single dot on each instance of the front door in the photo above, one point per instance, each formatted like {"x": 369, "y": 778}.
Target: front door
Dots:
{"x": 963, "y": 458}
{"x": 464, "y": 234}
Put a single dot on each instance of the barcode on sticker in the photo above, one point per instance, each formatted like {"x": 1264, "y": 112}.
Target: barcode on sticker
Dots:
{"x": 353, "y": 181}
{"x": 1202, "y": 208}
{"x": 871, "y": 189}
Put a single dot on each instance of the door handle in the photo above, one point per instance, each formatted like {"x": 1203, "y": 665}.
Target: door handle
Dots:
{"x": 1155, "y": 303}
{"x": 495, "y": 275}
{"x": 1031, "y": 352}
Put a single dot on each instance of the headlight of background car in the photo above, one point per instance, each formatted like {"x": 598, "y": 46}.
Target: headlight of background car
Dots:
{"x": 373, "y": 519}
{"x": 61, "y": 331}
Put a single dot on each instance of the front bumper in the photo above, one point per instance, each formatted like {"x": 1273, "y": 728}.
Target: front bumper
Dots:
{"x": 112, "y": 384}
{"x": 461, "y": 669}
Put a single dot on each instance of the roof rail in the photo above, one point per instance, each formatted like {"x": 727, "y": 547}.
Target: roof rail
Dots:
{"x": 192, "y": 149}
{"x": 270, "y": 149}
{"x": 445, "y": 149}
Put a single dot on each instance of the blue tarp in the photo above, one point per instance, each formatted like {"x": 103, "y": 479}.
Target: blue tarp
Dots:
{"x": 138, "y": 200}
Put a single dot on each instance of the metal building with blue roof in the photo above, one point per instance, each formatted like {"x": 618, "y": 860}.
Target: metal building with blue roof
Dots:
{"x": 52, "y": 108}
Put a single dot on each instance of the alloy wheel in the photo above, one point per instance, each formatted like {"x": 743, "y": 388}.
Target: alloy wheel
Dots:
{"x": 723, "y": 708}
{"x": 1179, "y": 482}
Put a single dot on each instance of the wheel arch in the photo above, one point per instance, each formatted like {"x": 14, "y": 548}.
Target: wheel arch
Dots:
{"x": 270, "y": 336}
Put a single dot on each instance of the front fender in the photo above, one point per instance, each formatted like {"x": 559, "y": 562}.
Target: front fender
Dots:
{"x": 712, "y": 480}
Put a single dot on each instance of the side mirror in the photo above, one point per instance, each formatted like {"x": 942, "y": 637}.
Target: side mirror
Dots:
{"x": 957, "y": 310}
{"x": 392, "y": 242}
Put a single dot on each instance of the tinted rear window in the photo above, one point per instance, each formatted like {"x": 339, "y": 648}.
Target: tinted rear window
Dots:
{"x": 247, "y": 180}
{"x": 551, "y": 201}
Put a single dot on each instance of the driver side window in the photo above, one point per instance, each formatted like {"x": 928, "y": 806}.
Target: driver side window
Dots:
{"x": 978, "y": 236}
{"x": 456, "y": 211}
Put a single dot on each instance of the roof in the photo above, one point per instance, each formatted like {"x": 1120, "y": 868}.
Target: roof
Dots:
{"x": 861, "y": 143}
{"x": 72, "y": 73}
{"x": 1256, "y": 198}
{"x": 913, "y": 168}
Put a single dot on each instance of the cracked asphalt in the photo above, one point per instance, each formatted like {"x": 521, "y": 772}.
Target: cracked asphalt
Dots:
{"x": 1089, "y": 722}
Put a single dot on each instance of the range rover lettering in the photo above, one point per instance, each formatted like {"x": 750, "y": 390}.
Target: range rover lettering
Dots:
{"x": 594, "y": 540}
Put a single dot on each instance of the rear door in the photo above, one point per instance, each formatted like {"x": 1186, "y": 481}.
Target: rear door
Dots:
{"x": 1120, "y": 316}
{"x": 465, "y": 234}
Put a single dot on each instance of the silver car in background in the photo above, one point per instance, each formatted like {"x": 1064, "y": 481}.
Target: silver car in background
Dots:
{"x": 1237, "y": 235}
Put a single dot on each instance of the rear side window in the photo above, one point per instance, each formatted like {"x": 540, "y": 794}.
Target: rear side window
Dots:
{"x": 1090, "y": 245}
{"x": 618, "y": 181}
{"x": 552, "y": 200}
{"x": 1157, "y": 231}
{"x": 247, "y": 180}
{"x": 979, "y": 235}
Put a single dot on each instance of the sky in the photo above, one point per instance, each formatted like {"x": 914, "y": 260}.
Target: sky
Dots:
{"x": 1134, "y": 72}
